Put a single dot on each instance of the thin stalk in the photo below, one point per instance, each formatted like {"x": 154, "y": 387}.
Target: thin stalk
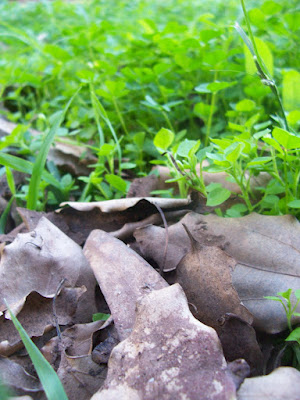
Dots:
{"x": 245, "y": 195}
{"x": 286, "y": 185}
{"x": 182, "y": 185}
{"x": 120, "y": 116}
{"x": 117, "y": 143}
{"x": 211, "y": 113}
{"x": 295, "y": 185}
{"x": 209, "y": 121}
{"x": 85, "y": 191}
{"x": 262, "y": 69}
{"x": 99, "y": 187}
{"x": 250, "y": 33}
{"x": 168, "y": 121}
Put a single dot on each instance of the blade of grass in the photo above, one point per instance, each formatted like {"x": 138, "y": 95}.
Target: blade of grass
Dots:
{"x": 5, "y": 393}
{"x": 42, "y": 156}
{"x": 97, "y": 115}
{"x": 18, "y": 164}
{"x": 52, "y": 385}
{"x": 4, "y": 216}
{"x": 100, "y": 111}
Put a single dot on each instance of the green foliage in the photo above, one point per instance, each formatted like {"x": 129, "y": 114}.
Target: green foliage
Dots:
{"x": 100, "y": 317}
{"x": 290, "y": 306}
{"x": 174, "y": 65}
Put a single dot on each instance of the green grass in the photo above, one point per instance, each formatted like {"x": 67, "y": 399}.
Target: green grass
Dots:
{"x": 53, "y": 388}
{"x": 143, "y": 66}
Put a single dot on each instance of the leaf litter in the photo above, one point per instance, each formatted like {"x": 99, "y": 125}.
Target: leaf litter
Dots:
{"x": 198, "y": 328}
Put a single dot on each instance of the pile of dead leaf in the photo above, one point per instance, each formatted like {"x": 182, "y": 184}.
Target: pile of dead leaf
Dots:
{"x": 185, "y": 292}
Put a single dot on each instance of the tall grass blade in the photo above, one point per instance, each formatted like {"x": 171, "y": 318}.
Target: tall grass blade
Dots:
{"x": 100, "y": 111}
{"x": 245, "y": 38}
{"x": 52, "y": 385}
{"x": 5, "y": 393}
{"x": 97, "y": 112}
{"x": 42, "y": 156}
{"x": 4, "y": 216}
{"x": 18, "y": 164}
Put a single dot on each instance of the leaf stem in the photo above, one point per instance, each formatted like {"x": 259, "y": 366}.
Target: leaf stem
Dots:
{"x": 120, "y": 115}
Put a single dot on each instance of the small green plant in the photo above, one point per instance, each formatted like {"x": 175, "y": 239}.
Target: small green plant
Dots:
{"x": 251, "y": 152}
{"x": 185, "y": 162}
{"x": 285, "y": 298}
{"x": 100, "y": 317}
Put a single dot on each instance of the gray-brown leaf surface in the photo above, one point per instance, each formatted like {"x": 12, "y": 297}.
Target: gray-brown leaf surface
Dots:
{"x": 266, "y": 249}
{"x": 123, "y": 277}
{"x": 169, "y": 355}
{"x": 205, "y": 276}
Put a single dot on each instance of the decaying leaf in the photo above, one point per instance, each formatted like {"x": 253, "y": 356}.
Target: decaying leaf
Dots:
{"x": 127, "y": 230}
{"x": 72, "y": 158}
{"x": 142, "y": 187}
{"x": 125, "y": 204}
{"x": 79, "y": 219}
{"x": 205, "y": 276}
{"x": 123, "y": 277}
{"x": 36, "y": 317}
{"x": 283, "y": 383}
{"x": 151, "y": 240}
{"x": 38, "y": 261}
{"x": 238, "y": 339}
{"x": 266, "y": 249}
{"x": 80, "y": 375}
{"x": 14, "y": 376}
{"x": 169, "y": 355}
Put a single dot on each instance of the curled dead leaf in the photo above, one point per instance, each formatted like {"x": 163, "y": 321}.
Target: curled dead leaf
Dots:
{"x": 38, "y": 261}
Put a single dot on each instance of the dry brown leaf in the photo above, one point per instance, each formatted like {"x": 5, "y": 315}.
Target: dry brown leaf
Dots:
{"x": 78, "y": 220}
{"x": 142, "y": 187}
{"x": 282, "y": 384}
{"x": 15, "y": 376}
{"x": 36, "y": 317}
{"x": 123, "y": 277}
{"x": 169, "y": 355}
{"x": 124, "y": 204}
{"x": 80, "y": 376}
{"x": 38, "y": 261}
{"x": 238, "y": 339}
{"x": 152, "y": 241}
{"x": 205, "y": 276}
{"x": 126, "y": 232}
{"x": 72, "y": 158}
{"x": 266, "y": 249}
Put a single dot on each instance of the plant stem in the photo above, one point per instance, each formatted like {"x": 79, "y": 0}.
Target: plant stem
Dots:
{"x": 209, "y": 121}
{"x": 168, "y": 121}
{"x": 116, "y": 141}
{"x": 250, "y": 33}
{"x": 211, "y": 113}
{"x": 120, "y": 116}
{"x": 262, "y": 69}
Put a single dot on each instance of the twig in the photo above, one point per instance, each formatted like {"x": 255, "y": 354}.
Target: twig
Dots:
{"x": 54, "y": 307}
